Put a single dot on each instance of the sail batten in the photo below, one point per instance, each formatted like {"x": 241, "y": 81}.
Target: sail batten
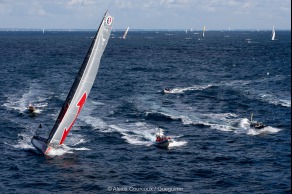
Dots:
{"x": 81, "y": 87}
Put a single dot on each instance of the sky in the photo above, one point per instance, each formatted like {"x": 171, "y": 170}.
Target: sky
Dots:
{"x": 146, "y": 14}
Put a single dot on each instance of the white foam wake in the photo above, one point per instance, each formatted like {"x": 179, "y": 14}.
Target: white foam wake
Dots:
{"x": 177, "y": 143}
{"x": 275, "y": 100}
{"x": 182, "y": 90}
{"x": 64, "y": 149}
{"x": 72, "y": 143}
{"x": 266, "y": 130}
{"x": 33, "y": 95}
{"x": 138, "y": 133}
{"x": 245, "y": 128}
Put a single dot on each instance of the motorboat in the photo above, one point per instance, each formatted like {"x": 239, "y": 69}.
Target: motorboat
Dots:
{"x": 31, "y": 108}
{"x": 162, "y": 141}
{"x": 255, "y": 124}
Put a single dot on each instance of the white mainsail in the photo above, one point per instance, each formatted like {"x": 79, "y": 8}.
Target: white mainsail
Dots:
{"x": 273, "y": 33}
{"x": 126, "y": 32}
{"x": 79, "y": 90}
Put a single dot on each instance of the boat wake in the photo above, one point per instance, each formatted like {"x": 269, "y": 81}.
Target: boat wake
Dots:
{"x": 34, "y": 95}
{"x": 138, "y": 133}
{"x": 73, "y": 143}
{"x": 192, "y": 88}
{"x": 266, "y": 130}
{"x": 283, "y": 99}
{"x": 64, "y": 149}
{"x": 261, "y": 94}
{"x": 245, "y": 128}
{"x": 175, "y": 143}
{"x": 275, "y": 100}
{"x": 228, "y": 122}
{"x": 133, "y": 133}
{"x": 223, "y": 121}
{"x": 23, "y": 141}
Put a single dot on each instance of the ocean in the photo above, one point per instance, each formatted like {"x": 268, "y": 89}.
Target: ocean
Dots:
{"x": 217, "y": 82}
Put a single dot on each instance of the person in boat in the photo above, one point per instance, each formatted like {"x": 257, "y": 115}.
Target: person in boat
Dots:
{"x": 161, "y": 138}
{"x": 158, "y": 138}
{"x": 31, "y": 108}
{"x": 166, "y": 90}
{"x": 255, "y": 124}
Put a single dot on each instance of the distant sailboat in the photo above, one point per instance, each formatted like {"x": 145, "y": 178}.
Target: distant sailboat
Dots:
{"x": 204, "y": 30}
{"x": 79, "y": 90}
{"x": 273, "y": 33}
{"x": 126, "y": 32}
{"x": 43, "y": 30}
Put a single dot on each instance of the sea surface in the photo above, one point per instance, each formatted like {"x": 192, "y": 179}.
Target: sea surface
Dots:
{"x": 217, "y": 82}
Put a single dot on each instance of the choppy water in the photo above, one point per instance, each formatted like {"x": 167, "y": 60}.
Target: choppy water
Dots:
{"x": 217, "y": 82}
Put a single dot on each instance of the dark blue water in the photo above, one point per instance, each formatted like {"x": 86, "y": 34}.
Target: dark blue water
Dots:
{"x": 218, "y": 82}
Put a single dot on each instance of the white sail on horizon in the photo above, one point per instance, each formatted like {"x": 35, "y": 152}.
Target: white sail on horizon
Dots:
{"x": 126, "y": 32}
{"x": 273, "y": 33}
{"x": 204, "y": 30}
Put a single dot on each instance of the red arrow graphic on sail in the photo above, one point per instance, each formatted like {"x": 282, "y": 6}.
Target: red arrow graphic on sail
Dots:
{"x": 79, "y": 104}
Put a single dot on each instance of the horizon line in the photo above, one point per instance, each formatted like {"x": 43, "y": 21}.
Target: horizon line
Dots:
{"x": 136, "y": 29}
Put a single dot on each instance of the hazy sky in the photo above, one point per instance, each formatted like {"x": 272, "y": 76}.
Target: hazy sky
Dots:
{"x": 147, "y": 14}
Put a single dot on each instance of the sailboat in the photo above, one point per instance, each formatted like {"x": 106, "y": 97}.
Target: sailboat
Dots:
{"x": 273, "y": 33}
{"x": 126, "y": 32}
{"x": 204, "y": 30}
{"x": 79, "y": 91}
